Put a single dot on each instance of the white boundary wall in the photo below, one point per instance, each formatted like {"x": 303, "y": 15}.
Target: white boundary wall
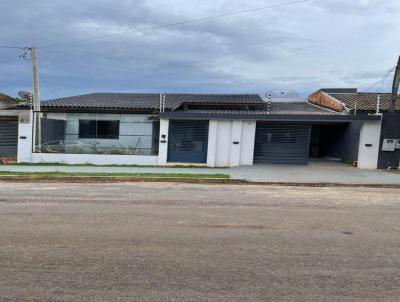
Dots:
{"x": 95, "y": 159}
{"x": 368, "y": 150}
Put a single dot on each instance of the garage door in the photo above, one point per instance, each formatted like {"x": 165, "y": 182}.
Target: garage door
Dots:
{"x": 282, "y": 144}
{"x": 188, "y": 141}
{"x": 8, "y": 136}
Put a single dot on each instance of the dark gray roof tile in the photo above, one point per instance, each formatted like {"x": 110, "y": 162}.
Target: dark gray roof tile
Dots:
{"x": 284, "y": 108}
{"x": 136, "y": 101}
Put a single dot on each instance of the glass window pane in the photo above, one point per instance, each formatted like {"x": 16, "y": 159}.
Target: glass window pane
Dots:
{"x": 87, "y": 129}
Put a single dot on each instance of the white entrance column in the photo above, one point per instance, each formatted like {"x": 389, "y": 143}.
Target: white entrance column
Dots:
{"x": 212, "y": 143}
{"x": 236, "y": 143}
{"x": 368, "y": 149}
{"x": 163, "y": 142}
{"x": 25, "y": 130}
{"x": 248, "y": 139}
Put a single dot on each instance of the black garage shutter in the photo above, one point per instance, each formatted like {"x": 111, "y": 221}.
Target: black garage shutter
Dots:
{"x": 188, "y": 141}
{"x": 8, "y": 136}
{"x": 282, "y": 144}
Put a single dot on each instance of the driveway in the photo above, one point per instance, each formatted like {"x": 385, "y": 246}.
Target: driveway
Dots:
{"x": 319, "y": 171}
{"x": 181, "y": 242}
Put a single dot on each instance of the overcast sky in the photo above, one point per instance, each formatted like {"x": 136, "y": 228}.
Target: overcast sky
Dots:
{"x": 306, "y": 46}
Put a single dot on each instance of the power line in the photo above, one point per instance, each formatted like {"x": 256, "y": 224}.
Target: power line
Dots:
{"x": 382, "y": 80}
{"x": 241, "y": 12}
{"x": 25, "y": 50}
{"x": 13, "y": 47}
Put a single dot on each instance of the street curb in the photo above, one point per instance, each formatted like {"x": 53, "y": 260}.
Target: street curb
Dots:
{"x": 327, "y": 184}
{"x": 116, "y": 179}
{"x": 113, "y": 179}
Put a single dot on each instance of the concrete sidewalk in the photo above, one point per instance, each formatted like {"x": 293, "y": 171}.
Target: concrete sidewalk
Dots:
{"x": 315, "y": 172}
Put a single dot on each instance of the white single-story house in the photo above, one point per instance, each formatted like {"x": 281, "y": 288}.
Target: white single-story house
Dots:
{"x": 215, "y": 130}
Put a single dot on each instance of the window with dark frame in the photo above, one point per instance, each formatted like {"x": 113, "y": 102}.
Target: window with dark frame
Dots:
{"x": 94, "y": 129}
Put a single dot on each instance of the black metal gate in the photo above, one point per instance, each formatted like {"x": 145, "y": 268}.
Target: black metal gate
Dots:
{"x": 282, "y": 144}
{"x": 188, "y": 141}
{"x": 8, "y": 136}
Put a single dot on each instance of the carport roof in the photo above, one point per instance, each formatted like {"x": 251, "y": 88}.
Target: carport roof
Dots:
{"x": 278, "y": 111}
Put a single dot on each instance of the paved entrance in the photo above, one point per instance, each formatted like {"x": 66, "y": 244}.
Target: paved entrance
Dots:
{"x": 315, "y": 171}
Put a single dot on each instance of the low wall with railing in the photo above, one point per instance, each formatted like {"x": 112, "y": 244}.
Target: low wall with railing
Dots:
{"x": 94, "y": 159}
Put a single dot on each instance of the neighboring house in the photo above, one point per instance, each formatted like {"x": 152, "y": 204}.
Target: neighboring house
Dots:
{"x": 8, "y": 127}
{"x": 349, "y": 101}
{"x": 217, "y": 130}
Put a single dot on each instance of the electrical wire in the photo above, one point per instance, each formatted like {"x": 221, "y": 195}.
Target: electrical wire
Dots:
{"x": 241, "y": 12}
{"x": 13, "y": 47}
{"x": 152, "y": 28}
{"x": 382, "y": 80}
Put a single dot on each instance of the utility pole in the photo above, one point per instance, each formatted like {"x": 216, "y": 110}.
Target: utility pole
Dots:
{"x": 35, "y": 70}
{"x": 395, "y": 88}
{"x": 36, "y": 102}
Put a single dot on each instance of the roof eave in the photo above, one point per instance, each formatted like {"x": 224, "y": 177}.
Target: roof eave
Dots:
{"x": 98, "y": 110}
{"x": 272, "y": 117}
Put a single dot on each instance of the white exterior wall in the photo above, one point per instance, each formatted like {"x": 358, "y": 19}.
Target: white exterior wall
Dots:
{"x": 236, "y": 143}
{"x": 223, "y": 144}
{"x": 163, "y": 143}
{"x": 222, "y": 150}
{"x": 369, "y": 135}
{"x": 212, "y": 143}
{"x": 247, "y": 143}
{"x": 24, "y": 138}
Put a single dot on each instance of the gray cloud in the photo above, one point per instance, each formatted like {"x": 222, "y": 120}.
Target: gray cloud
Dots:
{"x": 360, "y": 7}
{"x": 295, "y": 47}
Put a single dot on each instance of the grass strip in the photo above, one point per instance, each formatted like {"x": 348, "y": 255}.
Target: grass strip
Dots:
{"x": 93, "y": 165}
{"x": 137, "y": 175}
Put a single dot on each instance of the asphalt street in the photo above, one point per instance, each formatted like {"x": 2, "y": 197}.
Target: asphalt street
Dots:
{"x": 184, "y": 242}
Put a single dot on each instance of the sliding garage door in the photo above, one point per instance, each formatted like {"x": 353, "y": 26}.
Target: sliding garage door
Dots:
{"x": 8, "y": 136}
{"x": 188, "y": 141}
{"x": 282, "y": 144}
